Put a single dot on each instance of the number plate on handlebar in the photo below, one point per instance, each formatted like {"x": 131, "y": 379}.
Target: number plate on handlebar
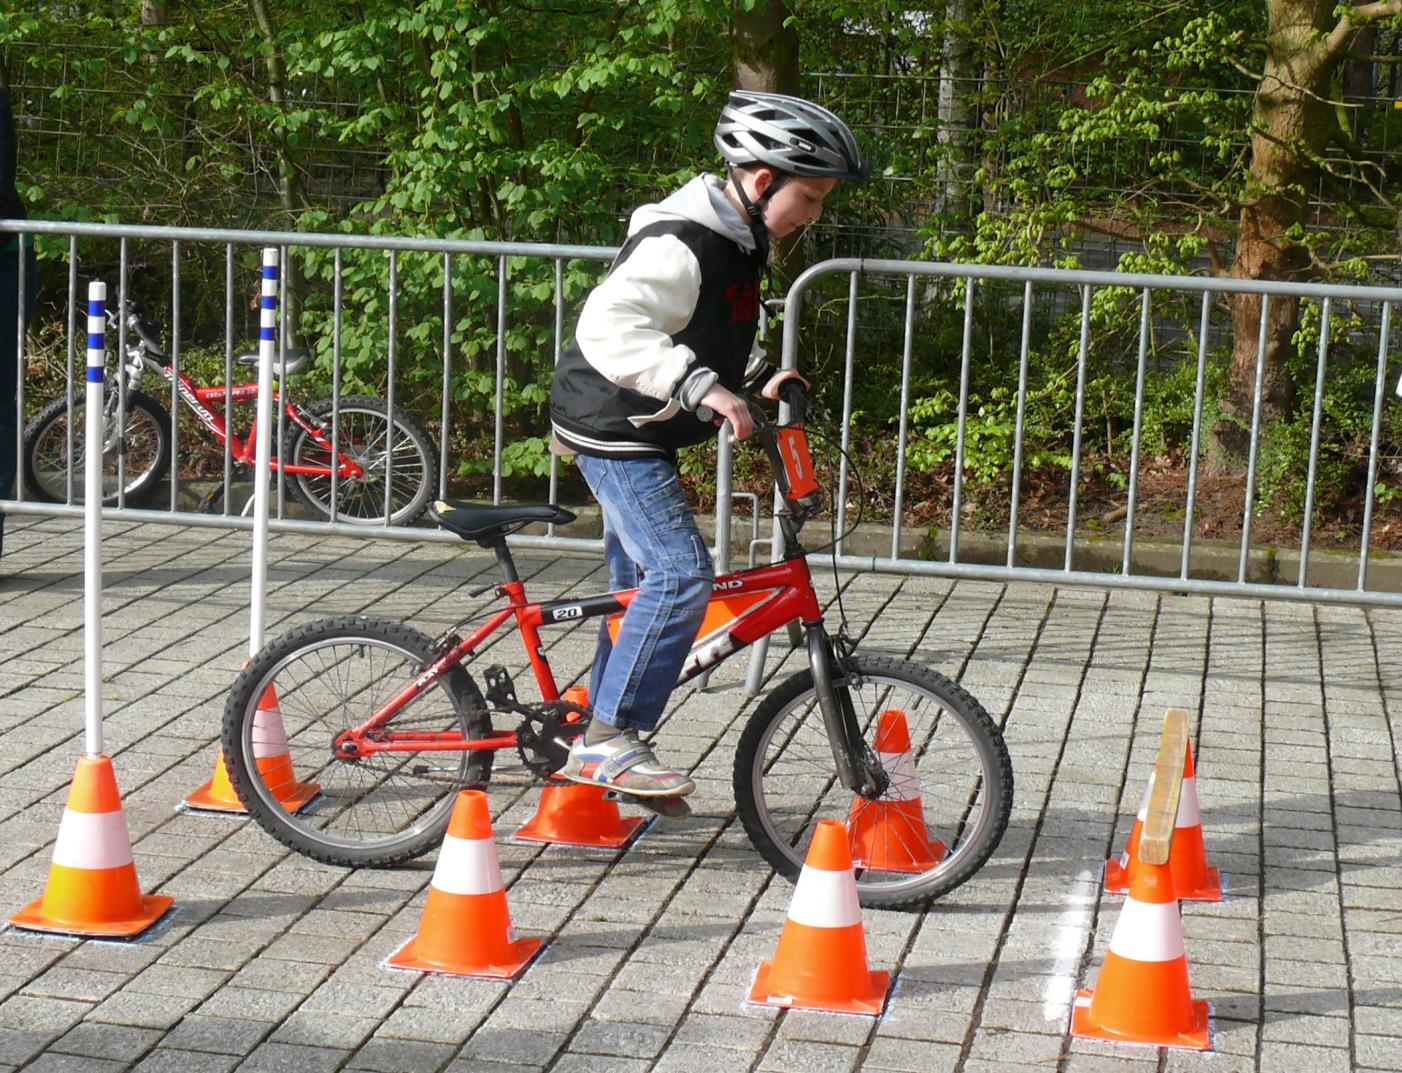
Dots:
{"x": 798, "y": 464}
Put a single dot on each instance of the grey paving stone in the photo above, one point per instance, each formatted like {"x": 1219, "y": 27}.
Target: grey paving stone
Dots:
{"x": 321, "y": 1029}
{"x": 117, "y": 1042}
{"x": 1294, "y": 1056}
{"x": 218, "y": 1035}
{"x": 815, "y": 1057}
{"x": 620, "y": 1038}
{"x": 492, "y": 1044}
{"x": 289, "y": 1058}
{"x": 166, "y": 1060}
{"x": 698, "y": 1058}
{"x": 401, "y": 1056}
{"x": 75, "y": 1063}
{"x": 569, "y": 1062}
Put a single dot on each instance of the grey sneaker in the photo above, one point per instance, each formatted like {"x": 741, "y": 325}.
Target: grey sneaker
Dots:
{"x": 625, "y": 764}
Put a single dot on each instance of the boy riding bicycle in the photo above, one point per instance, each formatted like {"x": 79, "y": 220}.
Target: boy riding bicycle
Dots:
{"x": 670, "y": 332}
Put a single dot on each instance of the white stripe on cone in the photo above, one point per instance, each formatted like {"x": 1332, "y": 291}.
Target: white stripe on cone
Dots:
{"x": 92, "y": 840}
{"x": 823, "y": 899}
{"x": 905, "y": 781}
{"x": 1188, "y": 813}
{"x": 1148, "y": 931}
{"x": 269, "y": 735}
{"x": 467, "y": 866}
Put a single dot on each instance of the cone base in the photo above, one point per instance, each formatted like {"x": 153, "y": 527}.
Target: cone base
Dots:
{"x": 1117, "y": 882}
{"x": 1193, "y": 1038}
{"x": 912, "y": 865}
{"x": 522, "y": 953}
{"x": 871, "y": 1003}
{"x": 206, "y": 800}
{"x": 1116, "y": 877}
{"x": 153, "y": 907}
{"x": 1209, "y": 890}
{"x": 556, "y": 823}
{"x": 532, "y": 831}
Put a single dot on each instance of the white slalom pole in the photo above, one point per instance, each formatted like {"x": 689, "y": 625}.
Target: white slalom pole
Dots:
{"x": 267, "y": 354}
{"x": 92, "y": 515}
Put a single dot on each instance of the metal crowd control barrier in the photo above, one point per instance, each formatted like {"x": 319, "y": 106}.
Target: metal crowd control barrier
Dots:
{"x": 180, "y": 240}
{"x": 1370, "y": 309}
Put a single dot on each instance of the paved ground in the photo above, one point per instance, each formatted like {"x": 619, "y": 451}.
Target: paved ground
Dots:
{"x": 274, "y": 963}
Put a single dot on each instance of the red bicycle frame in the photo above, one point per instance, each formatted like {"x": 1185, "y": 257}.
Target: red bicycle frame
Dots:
{"x": 744, "y": 606}
{"x": 202, "y": 400}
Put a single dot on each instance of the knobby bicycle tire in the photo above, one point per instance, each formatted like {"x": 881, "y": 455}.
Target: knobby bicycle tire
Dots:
{"x": 314, "y": 683}
{"x": 957, "y": 772}
{"x": 364, "y": 420}
{"x": 147, "y": 451}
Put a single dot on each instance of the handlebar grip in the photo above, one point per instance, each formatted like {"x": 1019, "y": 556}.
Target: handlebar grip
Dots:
{"x": 792, "y": 393}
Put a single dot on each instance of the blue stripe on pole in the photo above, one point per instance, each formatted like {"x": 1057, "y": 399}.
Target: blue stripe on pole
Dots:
{"x": 95, "y": 374}
{"x": 270, "y": 271}
{"x": 95, "y": 341}
{"x": 269, "y": 301}
{"x": 267, "y": 335}
{"x": 96, "y": 307}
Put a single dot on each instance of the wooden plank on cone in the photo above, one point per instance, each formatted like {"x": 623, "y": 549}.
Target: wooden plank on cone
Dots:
{"x": 1168, "y": 785}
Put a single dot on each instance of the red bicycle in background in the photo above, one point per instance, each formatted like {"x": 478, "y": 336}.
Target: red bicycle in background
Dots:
{"x": 384, "y": 471}
{"x": 376, "y": 726}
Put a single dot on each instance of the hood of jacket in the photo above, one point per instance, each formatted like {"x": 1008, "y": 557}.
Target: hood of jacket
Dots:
{"x": 701, "y": 201}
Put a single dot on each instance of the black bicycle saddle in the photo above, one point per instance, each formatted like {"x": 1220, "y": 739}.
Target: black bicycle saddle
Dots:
{"x": 489, "y": 524}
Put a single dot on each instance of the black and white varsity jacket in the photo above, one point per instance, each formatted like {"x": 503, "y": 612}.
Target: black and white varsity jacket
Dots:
{"x": 677, "y": 313}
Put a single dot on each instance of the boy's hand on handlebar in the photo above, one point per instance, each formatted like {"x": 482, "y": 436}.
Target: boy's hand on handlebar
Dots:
{"x": 725, "y": 405}
{"x": 771, "y": 389}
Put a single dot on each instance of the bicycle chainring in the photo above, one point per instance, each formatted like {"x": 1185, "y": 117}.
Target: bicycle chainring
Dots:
{"x": 546, "y": 734}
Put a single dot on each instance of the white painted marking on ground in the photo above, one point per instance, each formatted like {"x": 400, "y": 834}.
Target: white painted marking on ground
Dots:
{"x": 1068, "y": 941}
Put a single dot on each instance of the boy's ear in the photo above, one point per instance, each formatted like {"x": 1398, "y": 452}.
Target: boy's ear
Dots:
{"x": 763, "y": 180}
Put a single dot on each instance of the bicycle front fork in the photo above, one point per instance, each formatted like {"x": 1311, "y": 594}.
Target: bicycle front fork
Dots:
{"x": 858, "y": 767}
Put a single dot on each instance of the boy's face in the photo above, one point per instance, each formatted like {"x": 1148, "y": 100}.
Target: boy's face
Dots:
{"x": 797, "y": 202}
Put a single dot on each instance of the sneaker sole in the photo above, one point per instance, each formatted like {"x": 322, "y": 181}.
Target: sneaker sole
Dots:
{"x": 615, "y": 788}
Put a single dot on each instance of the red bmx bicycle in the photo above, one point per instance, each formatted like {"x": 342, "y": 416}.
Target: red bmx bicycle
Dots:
{"x": 375, "y": 726}
{"x": 383, "y": 470}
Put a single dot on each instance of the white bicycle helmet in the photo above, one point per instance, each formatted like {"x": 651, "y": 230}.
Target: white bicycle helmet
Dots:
{"x": 790, "y": 135}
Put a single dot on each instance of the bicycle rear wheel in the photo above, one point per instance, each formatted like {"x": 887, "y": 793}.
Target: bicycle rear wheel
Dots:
{"x": 144, "y": 450}
{"x": 938, "y": 821}
{"x": 403, "y": 454}
{"x": 300, "y": 693}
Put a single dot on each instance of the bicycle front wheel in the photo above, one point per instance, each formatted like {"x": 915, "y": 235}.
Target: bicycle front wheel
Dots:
{"x": 950, "y": 781}
{"x": 298, "y": 695}
{"x": 401, "y": 457}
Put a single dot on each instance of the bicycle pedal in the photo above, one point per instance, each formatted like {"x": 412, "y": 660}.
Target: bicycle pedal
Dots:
{"x": 672, "y": 808}
{"x": 501, "y": 691}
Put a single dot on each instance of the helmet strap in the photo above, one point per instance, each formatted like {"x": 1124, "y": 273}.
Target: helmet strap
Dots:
{"x": 754, "y": 208}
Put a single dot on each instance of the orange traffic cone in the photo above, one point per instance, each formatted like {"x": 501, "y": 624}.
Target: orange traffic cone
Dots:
{"x": 1193, "y": 879}
{"x": 1117, "y": 871}
{"x": 1142, "y": 994}
{"x": 889, "y": 834}
{"x": 92, "y": 888}
{"x": 274, "y": 763}
{"x": 466, "y": 925}
{"x": 821, "y": 962}
{"x": 573, "y": 814}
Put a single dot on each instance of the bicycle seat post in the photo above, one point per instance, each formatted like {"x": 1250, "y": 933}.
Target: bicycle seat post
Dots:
{"x": 504, "y": 560}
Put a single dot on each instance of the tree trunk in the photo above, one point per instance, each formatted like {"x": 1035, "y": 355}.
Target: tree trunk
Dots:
{"x": 958, "y": 108}
{"x": 1290, "y": 125}
{"x": 766, "y": 60}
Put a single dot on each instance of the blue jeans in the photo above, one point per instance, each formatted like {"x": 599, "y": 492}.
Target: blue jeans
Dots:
{"x": 647, "y": 525}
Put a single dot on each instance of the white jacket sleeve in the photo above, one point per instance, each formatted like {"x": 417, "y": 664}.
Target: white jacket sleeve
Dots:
{"x": 625, "y": 330}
